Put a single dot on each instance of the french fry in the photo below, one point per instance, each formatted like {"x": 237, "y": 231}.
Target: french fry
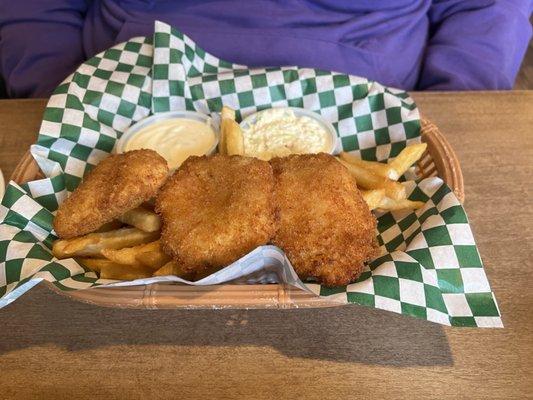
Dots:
{"x": 108, "y": 269}
{"x": 128, "y": 255}
{"x": 167, "y": 269}
{"x": 110, "y": 226}
{"x": 408, "y": 157}
{"x": 227, "y": 114}
{"x": 154, "y": 259}
{"x": 368, "y": 180}
{"x": 171, "y": 268}
{"x": 380, "y": 169}
{"x": 234, "y": 139}
{"x": 91, "y": 245}
{"x": 94, "y": 264}
{"x": 403, "y": 204}
{"x": 149, "y": 255}
{"x": 145, "y": 220}
{"x": 124, "y": 272}
{"x": 231, "y": 139}
{"x": 373, "y": 197}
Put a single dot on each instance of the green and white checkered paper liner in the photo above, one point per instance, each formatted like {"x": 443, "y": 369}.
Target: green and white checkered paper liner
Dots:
{"x": 429, "y": 265}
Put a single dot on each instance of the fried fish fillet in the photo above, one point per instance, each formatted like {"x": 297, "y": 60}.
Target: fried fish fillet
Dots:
{"x": 215, "y": 209}
{"x": 117, "y": 184}
{"x": 325, "y": 226}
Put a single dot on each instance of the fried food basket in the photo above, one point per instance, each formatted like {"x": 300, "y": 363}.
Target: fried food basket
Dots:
{"x": 439, "y": 160}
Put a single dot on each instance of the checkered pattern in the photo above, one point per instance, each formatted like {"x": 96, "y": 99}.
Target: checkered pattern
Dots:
{"x": 25, "y": 241}
{"x": 88, "y": 112}
{"x": 371, "y": 120}
{"x": 429, "y": 266}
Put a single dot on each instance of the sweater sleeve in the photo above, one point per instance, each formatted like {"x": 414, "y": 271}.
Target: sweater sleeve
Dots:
{"x": 40, "y": 44}
{"x": 475, "y": 44}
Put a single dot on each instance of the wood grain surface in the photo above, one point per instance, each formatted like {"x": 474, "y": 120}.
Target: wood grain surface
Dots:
{"x": 53, "y": 347}
{"x": 19, "y": 124}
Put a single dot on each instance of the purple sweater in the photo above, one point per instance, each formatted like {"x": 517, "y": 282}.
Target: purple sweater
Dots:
{"x": 410, "y": 44}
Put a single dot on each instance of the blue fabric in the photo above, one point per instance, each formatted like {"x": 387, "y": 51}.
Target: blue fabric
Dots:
{"x": 409, "y": 44}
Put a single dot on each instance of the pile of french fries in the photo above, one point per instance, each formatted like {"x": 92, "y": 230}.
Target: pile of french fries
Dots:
{"x": 122, "y": 252}
{"x": 378, "y": 181}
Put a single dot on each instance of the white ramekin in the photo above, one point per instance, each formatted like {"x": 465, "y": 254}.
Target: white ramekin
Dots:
{"x": 143, "y": 123}
{"x": 299, "y": 112}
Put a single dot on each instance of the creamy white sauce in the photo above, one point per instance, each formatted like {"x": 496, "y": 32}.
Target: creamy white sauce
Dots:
{"x": 278, "y": 132}
{"x": 175, "y": 139}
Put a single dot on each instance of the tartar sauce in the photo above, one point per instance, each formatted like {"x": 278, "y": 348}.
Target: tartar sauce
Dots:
{"x": 175, "y": 139}
{"x": 278, "y": 132}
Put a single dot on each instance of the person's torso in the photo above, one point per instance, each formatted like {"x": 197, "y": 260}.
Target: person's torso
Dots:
{"x": 382, "y": 40}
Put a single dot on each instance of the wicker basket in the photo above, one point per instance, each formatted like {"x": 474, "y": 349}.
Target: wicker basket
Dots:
{"x": 439, "y": 160}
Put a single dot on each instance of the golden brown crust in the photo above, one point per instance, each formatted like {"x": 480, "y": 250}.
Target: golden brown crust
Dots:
{"x": 325, "y": 226}
{"x": 216, "y": 209}
{"x": 117, "y": 184}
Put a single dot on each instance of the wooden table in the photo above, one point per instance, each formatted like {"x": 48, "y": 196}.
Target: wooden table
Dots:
{"x": 53, "y": 347}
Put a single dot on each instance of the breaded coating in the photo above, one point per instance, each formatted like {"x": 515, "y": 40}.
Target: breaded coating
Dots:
{"x": 325, "y": 226}
{"x": 216, "y": 209}
{"x": 117, "y": 184}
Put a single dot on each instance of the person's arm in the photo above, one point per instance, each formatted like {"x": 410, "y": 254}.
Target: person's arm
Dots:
{"x": 40, "y": 44}
{"x": 475, "y": 44}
